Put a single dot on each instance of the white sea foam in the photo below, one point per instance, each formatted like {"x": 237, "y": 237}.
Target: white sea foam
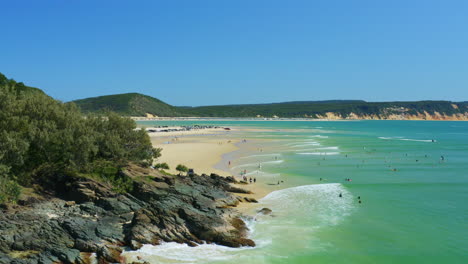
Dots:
{"x": 418, "y": 140}
{"x": 181, "y": 253}
{"x": 318, "y": 153}
{"x": 310, "y": 149}
{"x": 318, "y": 136}
{"x": 305, "y": 144}
{"x": 257, "y": 164}
{"x": 389, "y": 138}
{"x": 261, "y": 155}
{"x": 406, "y": 139}
{"x": 328, "y": 148}
{"x": 262, "y": 173}
{"x": 272, "y": 162}
{"x": 319, "y": 203}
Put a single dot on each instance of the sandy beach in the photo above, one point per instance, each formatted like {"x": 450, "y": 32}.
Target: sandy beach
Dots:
{"x": 203, "y": 151}
{"x": 198, "y": 149}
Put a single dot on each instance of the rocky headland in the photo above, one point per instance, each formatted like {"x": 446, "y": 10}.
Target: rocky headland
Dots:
{"x": 74, "y": 219}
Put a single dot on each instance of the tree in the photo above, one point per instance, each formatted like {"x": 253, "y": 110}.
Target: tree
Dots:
{"x": 42, "y": 137}
{"x": 181, "y": 168}
{"x": 162, "y": 166}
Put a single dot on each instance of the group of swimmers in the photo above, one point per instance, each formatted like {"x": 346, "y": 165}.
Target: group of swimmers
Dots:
{"x": 359, "y": 197}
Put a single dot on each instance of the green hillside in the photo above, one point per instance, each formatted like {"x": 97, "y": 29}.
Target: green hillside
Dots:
{"x": 130, "y": 104}
{"x": 19, "y": 87}
{"x": 134, "y": 104}
{"x": 316, "y": 108}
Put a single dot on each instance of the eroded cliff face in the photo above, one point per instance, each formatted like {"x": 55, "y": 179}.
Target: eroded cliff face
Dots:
{"x": 397, "y": 116}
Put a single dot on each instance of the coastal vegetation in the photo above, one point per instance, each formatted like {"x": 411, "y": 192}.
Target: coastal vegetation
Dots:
{"x": 181, "y": 168}
{"x": 129, "y": 104}
{"x": 142, "y": 105}
{"x": 41, "y": 138}
{"x": 78, "y": 188}
{"x": 162, "y": 166}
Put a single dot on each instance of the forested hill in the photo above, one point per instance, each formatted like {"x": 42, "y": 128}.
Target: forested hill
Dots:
{"x": 141, "y": 105}
{"x": 429, "y": 110}
{"x": 130, "y": 104}
{"x": 135, "y": 104}
{"x": 18, "y": 86}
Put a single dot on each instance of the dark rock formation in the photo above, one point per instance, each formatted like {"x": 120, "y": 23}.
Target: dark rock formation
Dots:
{"x": 265, "y": 211}
{"x": 85, "y": 218}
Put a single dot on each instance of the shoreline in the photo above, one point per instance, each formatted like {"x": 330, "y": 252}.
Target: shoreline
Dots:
{"x": 209, "y": 151}
{"x": 253, "y": 119}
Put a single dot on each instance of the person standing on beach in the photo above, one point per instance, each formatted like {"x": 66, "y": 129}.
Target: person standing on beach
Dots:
{"x": 255, "y": 180}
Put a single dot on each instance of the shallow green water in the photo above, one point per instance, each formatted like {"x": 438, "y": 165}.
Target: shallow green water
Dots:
{"x": 414, "y": 194}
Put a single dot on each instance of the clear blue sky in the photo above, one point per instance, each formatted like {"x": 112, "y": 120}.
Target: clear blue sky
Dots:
{"x": 206, "y": 52}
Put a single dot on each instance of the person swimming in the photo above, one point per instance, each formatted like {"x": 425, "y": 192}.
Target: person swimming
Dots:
{"x": 340, "y": 195}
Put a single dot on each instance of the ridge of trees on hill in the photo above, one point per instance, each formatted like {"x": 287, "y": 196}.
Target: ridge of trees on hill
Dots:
{"x": 316, "y": 109}
{"x": 129, "y": 104}
{"x": 134, "y": 104}
{"x": 41, "y": 138}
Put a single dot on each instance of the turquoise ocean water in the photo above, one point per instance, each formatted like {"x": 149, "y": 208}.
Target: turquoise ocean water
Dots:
{"x": 411, "y": 176}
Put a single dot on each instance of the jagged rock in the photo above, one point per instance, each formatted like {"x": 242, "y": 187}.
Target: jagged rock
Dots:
{"x": 265, "y": 211}
{"x": 231, "y": 179}
{"x": 109, "y": 253}
{"x": 69, "y": 203}
{"x": 250, "y": 200}
{"x": 233, "y": 189}
{"x": 87, "y": 216}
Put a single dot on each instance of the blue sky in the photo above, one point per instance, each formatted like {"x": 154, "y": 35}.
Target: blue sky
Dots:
{"x": 208, "y": 52}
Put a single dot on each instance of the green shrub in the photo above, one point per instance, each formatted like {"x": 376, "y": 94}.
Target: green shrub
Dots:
{"x": 181, "y": 168}
{"x": 162, "y": 166}
{"x": 9, "y": 189}
{"x": 42, "y": 139}
{"x": 108, "y": 172}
